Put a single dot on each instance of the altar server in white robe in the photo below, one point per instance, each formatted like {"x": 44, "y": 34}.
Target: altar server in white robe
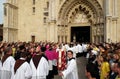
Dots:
{"x": 22, "y": 69}
{"x": 80, "y": 50}
{"x": 73, "y": 49}
{"x": 39, "y": 65}
{"x": 71, "y": 71}
{"x": 7, "y": 64}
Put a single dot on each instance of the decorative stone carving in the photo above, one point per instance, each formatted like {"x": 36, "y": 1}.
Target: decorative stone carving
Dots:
{"x": 80, "y": 18}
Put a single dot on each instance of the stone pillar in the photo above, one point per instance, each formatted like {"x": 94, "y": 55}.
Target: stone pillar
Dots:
{"x": 48, "y": 32}
{"x": 6, "y": 23}
{"x": 115, "y": 6}
{"x": 52, "y": 20}
{"x": 5, "y": 34}
{"x": 108, "y": 8}
{"x": 117, "y": 32}
{"x": 108, "y": 29}
{"x": 114, "y": 31}
{"x": 92, "y": 33}
{"x": 56, "y": 33}
{"x": 52, "y": 33}
{"x": 60, "y": 38}
{"x": 10, "y": 21}
{"x": 52, "y": 13}
{"x": 10, "y": 25}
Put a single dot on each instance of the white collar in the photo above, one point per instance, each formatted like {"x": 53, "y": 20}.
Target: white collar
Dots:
{"x": 22, "y": 58}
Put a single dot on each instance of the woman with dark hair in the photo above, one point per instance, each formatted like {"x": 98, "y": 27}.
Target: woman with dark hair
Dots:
{"x": 92, "y": 71}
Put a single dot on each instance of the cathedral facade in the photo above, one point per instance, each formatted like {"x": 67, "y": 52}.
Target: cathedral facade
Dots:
{"x": 62, "y": 20}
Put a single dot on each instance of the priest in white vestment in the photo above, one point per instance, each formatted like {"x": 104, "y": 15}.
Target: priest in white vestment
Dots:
{"x": 39, "y": 65}
{"x": 22, "y": 69}
{"x": 7, "y": 64}
{"x": 71, "y": 71}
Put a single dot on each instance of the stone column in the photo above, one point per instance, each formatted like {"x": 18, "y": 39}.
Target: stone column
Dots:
{"x": 5, "y": 34}
{"x": 92, "y": 33}
{"x": 115, "y": 6}
{"x": 10, "y": 33}
{"x": 108, "y": 9}
{"x": 106, "y": 5}
{"x": 48, "y": 32}
{"x": 56, "y": 33}
{"x": 52, "y": 20}
{"x": 52, "y": 13}
{"x": 117, "y": 32}
{"x": 6, "y": 23}
{"x": 52, "y": 33}
{"x": 114, "y": 31}
{"x": 108, "y": 29}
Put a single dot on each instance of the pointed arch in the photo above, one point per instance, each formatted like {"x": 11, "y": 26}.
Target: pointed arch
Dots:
{"x": 93, "y": 11}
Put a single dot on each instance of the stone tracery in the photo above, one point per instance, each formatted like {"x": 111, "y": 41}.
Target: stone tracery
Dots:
{"x": 92, "y": 14}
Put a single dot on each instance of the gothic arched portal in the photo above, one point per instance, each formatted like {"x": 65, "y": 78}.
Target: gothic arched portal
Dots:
{"x": 80, "y": 13}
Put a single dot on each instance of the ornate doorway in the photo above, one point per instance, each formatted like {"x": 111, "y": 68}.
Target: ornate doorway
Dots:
{"x": 81, "y": 13}
{"x": 80, "y": 34}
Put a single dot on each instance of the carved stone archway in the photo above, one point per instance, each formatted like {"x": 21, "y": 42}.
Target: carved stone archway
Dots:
{"x": 92, "y": 12}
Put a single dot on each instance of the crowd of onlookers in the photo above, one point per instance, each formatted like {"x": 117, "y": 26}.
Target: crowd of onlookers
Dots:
{"x": 103, "y": 61}
{"x": 103, "y": 58}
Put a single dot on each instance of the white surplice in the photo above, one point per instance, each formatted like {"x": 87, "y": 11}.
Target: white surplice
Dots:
{"x": 71, "y": 72}
{"x": 42, "y": 70}
{"x": 23, "y": 72}
{"x": 79, "y": 48}
{"x": 6, "y": 69}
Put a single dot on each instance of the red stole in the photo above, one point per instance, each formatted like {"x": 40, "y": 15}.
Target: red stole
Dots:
{"x": 61, "y": 60}
{"x": 36, "y": 60}
{"x": 5, "y": 57}
{"x": 18, "y": 63}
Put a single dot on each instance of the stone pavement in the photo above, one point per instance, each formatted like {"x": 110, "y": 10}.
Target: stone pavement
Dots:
{"x": 81, "y": 62}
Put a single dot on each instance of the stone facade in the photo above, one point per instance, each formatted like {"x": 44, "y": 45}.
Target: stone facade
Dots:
{"x": 51, "y": 20}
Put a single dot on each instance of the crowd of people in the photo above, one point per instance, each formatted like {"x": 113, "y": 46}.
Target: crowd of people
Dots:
{"x": 103, "y": 61}
{"x": 40, "y": 60}
{"x": 44, "y": 60}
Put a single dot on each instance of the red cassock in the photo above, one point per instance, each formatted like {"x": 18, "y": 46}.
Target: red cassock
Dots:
{"x": 61, "y": 60}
